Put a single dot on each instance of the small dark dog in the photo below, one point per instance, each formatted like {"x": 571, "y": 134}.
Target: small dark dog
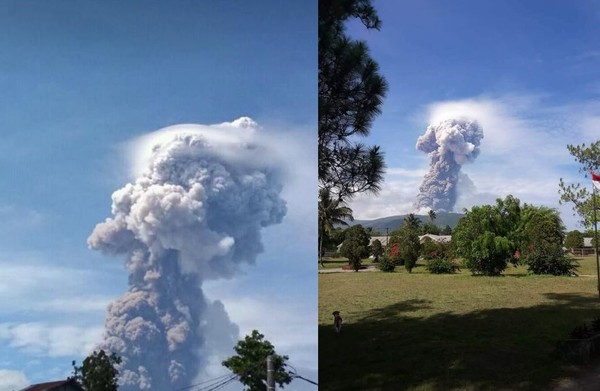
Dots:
{"x": 337, "y": 322}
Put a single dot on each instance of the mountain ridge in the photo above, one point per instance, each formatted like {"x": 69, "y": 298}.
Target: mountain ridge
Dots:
{"x": 394, "y": 222}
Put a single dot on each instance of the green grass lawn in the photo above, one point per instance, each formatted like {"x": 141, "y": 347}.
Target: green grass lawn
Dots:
{"x": 450, "y": 332}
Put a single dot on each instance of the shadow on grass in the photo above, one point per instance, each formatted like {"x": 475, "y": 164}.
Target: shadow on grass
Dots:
{"x": 497, "y": 349}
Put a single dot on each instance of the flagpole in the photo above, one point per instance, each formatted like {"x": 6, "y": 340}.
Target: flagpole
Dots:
{"x": 596, "y": 237}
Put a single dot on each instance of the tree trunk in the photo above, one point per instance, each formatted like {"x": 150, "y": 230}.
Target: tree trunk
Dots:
{"x": 321, "y": 250}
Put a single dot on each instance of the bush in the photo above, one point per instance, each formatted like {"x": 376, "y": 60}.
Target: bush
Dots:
{"x": 410, "y": 248}
{"x": 548, "y": 258}
{"x": 440, "y": 266}
{"x": 429, "y": 248}
{"x": 489, "y": 255}
{"x": 394, "y": 251}
{"x": 376, "y": 249}
{"x": 410, "y": 264}
{"x": 387, "y": 264}
{"x": 354, "y": 252}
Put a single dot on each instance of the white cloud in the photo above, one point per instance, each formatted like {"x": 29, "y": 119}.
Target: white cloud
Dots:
{"x": 404, "y": 172}
{"x": 28, "y": 283}
{"x": 43, "y": 339}
{"x": 523, "y": 153}
{"x": 12, "y": 380}
{"x": 282, "y": 323}
{"x": 515, "y": 127}
{"x": 287, "y": 322}
{"x": 74, "y": 305}
{"x": 396, "y": 197}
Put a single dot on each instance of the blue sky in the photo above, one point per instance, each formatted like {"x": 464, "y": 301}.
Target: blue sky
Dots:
{"x": 529, "y": 72}
{"x": 80, "y": 80}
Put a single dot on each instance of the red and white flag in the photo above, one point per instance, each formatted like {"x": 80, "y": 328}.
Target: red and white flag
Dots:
{"x": 596, "y": 180}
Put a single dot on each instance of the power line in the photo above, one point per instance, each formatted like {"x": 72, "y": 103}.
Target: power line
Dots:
{"x": 295, "y": 375}
{"x": 218, "y": 378}
{"x": 218, "y": 385}
{"x": 306, "y": 380}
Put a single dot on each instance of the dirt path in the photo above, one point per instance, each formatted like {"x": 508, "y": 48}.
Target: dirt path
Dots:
{"x": 340, "y": 270}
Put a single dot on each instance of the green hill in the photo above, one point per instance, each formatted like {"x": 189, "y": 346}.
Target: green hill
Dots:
{"x": 394, "y": 222}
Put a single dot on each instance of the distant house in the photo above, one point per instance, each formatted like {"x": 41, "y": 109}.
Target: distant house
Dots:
{"x": 382, "y": 239}
{"x": 60, "y": 385}
{"x": 587, "y": 248}
{"x": 436, "y": 238}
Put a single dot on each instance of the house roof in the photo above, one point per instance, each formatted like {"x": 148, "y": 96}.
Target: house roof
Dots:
{"x": 436, "y": 238}
{"x": 382, "y": 239}
{"x": 49, "y": 386}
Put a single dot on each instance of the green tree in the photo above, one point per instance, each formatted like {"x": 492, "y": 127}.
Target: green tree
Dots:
{"x": 333, "y": 239}
{"x": 543, "y": 237}
{"x": 508, "y": 219}
{"x": 356, "y": 245}
{"x": 429, "y": 248}
{"x": 447, "y": 230}
{"x": 351, "y": 92}
{"x": 250, "y": 363}
{"x": 441, "y": 259}
{"x": 430, "y": 228}
{"x": 574, "y": 239}
{"x": 98, "y": 372}
{"x": 393, "y": 247}
{"x": 376, "y": 250}
{"x": 412, "y": 222}
{"x": 580, "y": 196}
{"x": 489, "y": 254}
{"x": 409, "y": 245}
{"x": 331, "y": 211}
{"x": 486, "y": 236}
{"x": 541, "y": 223}
{"x": 432, "y": 216}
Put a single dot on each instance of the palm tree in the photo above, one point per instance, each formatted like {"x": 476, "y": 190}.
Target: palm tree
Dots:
{"x": 432, "y": 215}
{"x": 412, "y": 222}
{"x": 331, "y": 212}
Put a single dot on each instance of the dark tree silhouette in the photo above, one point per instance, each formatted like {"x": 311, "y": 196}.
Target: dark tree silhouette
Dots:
{"x": 351, "y": 91}
{"x": 331, "y": 212}
{"x": 98, "y": 372}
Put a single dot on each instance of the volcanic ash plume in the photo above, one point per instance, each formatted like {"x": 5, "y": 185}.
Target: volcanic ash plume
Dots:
{"x": 195, "y": 213}
{"x": 450, "y": 144}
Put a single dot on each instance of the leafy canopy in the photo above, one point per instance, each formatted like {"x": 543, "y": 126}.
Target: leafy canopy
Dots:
{"x": 543, "y": 237}
{"x": 409, "y": 244}
{"x": 489, "y": 236}
{"x": 577, "y": 194}
{"x": 332, "y": 211}
{"x": 250, "y": 363}
{"x": 351, "y": 91}
{"x": 356, "y": 245}
{"x": 574, "y": 239}
{"x": 98, "y": 372}
{"x": 376, "y": 249}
